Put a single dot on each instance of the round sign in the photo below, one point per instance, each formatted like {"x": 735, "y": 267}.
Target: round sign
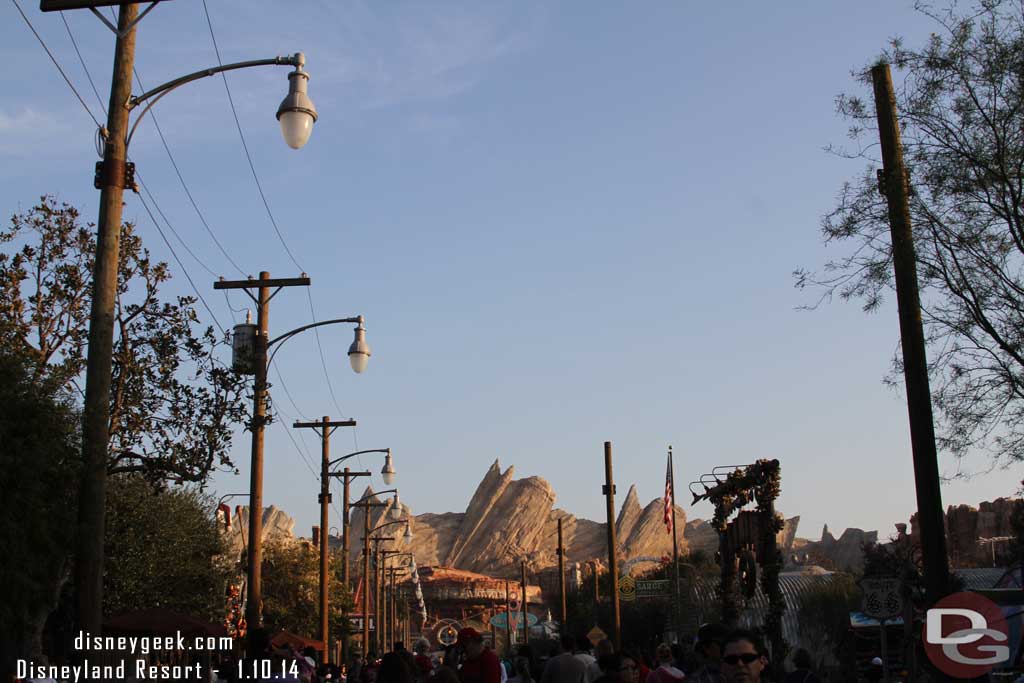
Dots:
{"x": 966, "y": 635}
{"x": 447, "y": 635}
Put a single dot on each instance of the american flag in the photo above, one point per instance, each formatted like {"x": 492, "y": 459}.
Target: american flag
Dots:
{"x": 669, "y": 502}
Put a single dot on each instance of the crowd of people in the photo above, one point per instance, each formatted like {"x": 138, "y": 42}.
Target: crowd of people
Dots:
{"x": 719, "y": 656}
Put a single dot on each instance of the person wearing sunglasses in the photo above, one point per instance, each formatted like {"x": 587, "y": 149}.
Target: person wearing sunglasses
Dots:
{"x": 743, "y": 657}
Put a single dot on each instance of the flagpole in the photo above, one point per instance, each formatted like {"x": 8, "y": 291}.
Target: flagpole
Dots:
{"x": 676, "y": 618}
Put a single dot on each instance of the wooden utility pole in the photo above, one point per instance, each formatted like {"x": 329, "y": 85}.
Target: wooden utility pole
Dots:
{"x": 324, "y": 428}
{"x": 915, "y": 363}
{"x": 99, "y": 355}
{"x": 526, "y": 613}
{"x": 347, "y": 476}
{"x": 561, "y": 578}
{"x": 366, "y": 505}
{"x": 613, "y": 567}
{"x": 508, "y": 618}
{"x": 254, "y": 600}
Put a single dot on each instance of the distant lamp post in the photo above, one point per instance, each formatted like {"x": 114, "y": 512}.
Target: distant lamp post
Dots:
{"x": 251, "y": 354}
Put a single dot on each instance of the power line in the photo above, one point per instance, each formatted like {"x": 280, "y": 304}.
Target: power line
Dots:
{"x": 167, "y": 149}
{"x": 81, "y": 60}
{"x": 273, "y": 221}
{"x": 175, "y": 255}
{"x": 188, "y": 193}
{"x": 245, "y": 146}
{"x": 56, "y": 63}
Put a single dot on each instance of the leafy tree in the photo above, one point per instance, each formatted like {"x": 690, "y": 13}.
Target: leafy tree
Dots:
{"x": 173, "y": 405}
{"x": 38, "y": 458}
{"x": 163, "y": 549}
{"x": 960, "y": 100}
{"x": 291, "y": 589}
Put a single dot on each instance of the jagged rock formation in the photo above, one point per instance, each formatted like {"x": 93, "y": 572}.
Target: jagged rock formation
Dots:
{"x": 277, "y": 525}
{"x": 508, "y": 520}
{"x": 975, "y": 535}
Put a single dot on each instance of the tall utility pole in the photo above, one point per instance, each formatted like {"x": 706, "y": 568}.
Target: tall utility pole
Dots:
{"x": 613, "y": 567}
{"x": 561, "y": 578}
{"x": 324, "y": 428}
{"x": 253, "y": 606}
{"x": 915, "y": 363}
{"x": 526, "y": 613}
{"x": 508, "y": 618}
{"x": 366, "y": 505}
{"x": 347, "y": 476}
{"x": 99, "y": 359}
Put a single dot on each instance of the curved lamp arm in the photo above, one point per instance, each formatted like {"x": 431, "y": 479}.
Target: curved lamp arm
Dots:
{"x": 288, "y": 335}
{"x": 386, "y": 524}
{"x": 371, "y": 495}
{"x": 387, "y": 472}
{"x": 297, "y": 60}
{"x": 230, "y": 495}
{"x": 352, "y": 455}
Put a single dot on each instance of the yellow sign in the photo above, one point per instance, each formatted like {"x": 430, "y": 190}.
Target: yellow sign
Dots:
{"x": 627, "y": 588}
{"x": 596, "y": 635}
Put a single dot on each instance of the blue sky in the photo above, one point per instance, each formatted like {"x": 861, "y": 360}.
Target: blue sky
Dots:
{"x": 565, "y": 223}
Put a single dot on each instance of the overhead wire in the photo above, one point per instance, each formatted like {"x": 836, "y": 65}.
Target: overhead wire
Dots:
{"x": 273, "y": 221}
{"x": 56, "y": 63}
{"x": 176, "y": 259}
{"x": 93, "y": 117}
{"x": 153, "y": 200}
{"x": 145, "y": 205}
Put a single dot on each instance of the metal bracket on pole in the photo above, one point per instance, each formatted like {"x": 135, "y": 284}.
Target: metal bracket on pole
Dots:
{"x": 130, "y": 26}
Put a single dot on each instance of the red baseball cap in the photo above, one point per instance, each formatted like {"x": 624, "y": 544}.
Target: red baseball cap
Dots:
{"x": 467, "y": 634}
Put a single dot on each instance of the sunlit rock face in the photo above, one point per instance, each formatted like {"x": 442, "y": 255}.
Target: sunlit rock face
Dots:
{"x": 510, "y": 520}
{"x": 277, "y": 525}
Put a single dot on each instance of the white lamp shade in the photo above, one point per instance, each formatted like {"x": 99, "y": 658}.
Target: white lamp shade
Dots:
{"x": 387, "y": 473}
{"x": 297, "y": 112}
{"x": 359, "y": 351}
{"x": 408, "y": 538}
{"x": 296, "y": 127}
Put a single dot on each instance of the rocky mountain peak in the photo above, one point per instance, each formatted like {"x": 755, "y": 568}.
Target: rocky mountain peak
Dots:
{"x": 629, "y": 515}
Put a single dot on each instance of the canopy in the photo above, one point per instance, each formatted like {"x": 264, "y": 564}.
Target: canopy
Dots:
{"x": 163, "y": 622}
{"x": 297, "y": 642}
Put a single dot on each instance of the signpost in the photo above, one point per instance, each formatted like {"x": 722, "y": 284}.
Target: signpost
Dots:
{"x": 653, "y": 588}
{"x": 627, "y": 588}
{"x": 882, "y": 600}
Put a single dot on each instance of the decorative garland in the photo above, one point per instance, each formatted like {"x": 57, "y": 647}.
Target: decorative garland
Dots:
{"x": 760, "y": 482}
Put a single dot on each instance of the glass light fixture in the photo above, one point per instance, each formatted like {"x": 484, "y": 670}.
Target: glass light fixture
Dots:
{"x": 297, "y": 113}
{"x": 396, "y": 507}
{"x": 387, "y": 473}
{"x": 407, "y": 537}
{"x": 359, "y": 352}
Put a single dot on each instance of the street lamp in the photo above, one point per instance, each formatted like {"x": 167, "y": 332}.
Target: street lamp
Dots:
{"x": 297, "y": 113}
{"x": 367, "y": 531}
{"x": 113, "y": 174}
{"x": 250, "y": 348}
{"x": 326, "y": 428}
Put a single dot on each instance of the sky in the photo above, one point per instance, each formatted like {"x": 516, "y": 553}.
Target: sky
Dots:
{"x": 565, "y": 223}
